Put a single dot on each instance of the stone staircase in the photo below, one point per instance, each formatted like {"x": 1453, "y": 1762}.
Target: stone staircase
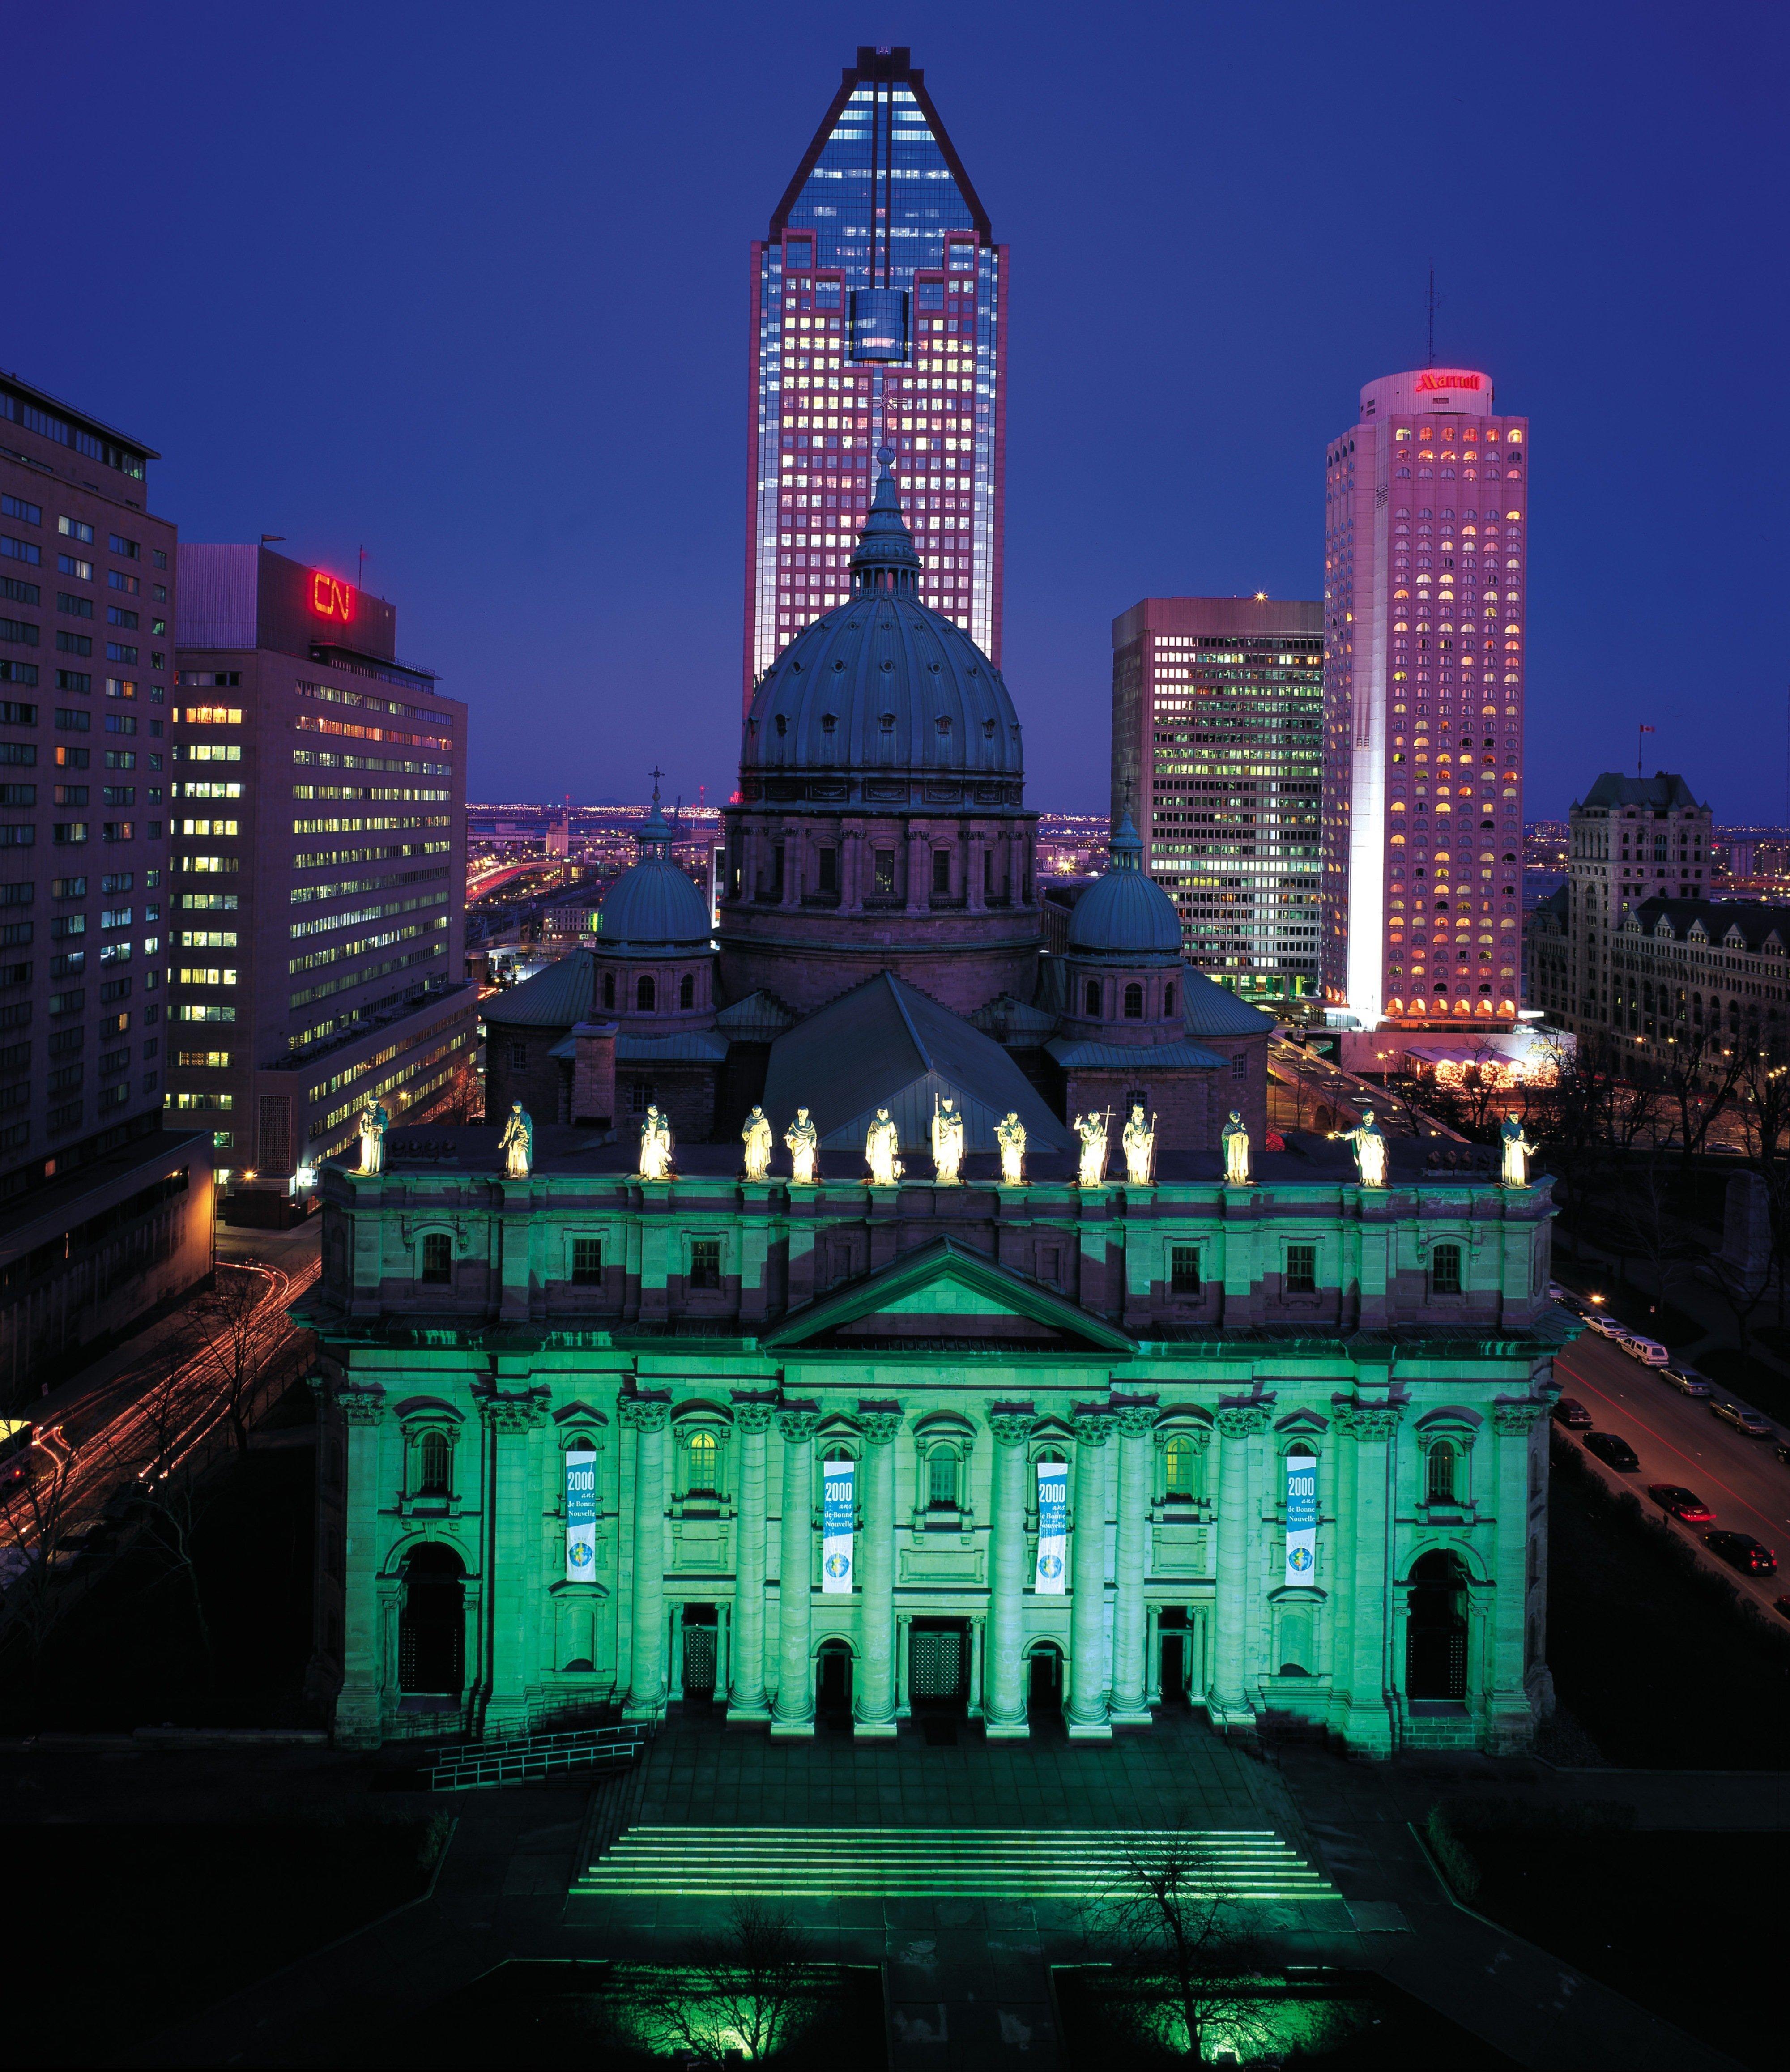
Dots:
{"x": 1070, "y": 1864}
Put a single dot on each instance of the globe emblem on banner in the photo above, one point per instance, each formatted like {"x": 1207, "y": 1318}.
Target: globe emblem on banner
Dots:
{"x": 838, "y": 1565}
{"x": 1049, "y": 1566}
{"x": 1299, "y": 1559}
{"x": 578, "y": 1554}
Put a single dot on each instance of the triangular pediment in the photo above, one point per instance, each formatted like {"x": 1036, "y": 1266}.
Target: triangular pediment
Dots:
{"x": 943, "y": 1292}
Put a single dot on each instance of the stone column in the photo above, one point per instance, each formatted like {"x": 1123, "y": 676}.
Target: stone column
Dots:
{"x": 874, "y": 1689}
{"x": 1509, "y": 1715}
{"x": 1361, "y": 1652}
{"x": 851, "y": 867}
{"x": 746, "y": 1690}
{"x": 360, "y": 1703}
{"x": 975, "y": 868}
{"x": 507, "y": 1420}
{"x": 1152, "y": 1655}
{"x": 903, "y": 1624}
{"x": 646, "y": 1688}
{"x": 1004, "y": 1676}
{"x": 1227, "y": 1701}
{"x": 1089, "y": 1673}
{"x": 919, "y": 869}
{"x": 1136, "y": 1421}
{"x": 793, "y": 1715}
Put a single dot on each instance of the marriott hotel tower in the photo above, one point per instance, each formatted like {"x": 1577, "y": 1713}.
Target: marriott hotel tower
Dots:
{"x": 1426, "y": 548}
{"x": 879, "y": 320}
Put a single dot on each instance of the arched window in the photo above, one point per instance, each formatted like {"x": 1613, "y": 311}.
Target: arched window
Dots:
{"x": 1439, "y": 1472}
{"x": 435, "y": 1464}
{"x": 1435, "y": 1633}
{"x": 431, "y": 1626}
{"x": 1090, "y": 997}
{"x": 609, "y": 988}
{"x": 941, "y": 1478}
{"x": 643, "y": 994}
{"x": 705, "y": 1455}
{"x": 686, "y": 990}
{"x": 438, "y": 1257}
{"x": 1445, "y": 1270}
{"x": 1168, "y": 997}
{"x": 1180, "y": 1469}
{"x": 1134, "y": 1003}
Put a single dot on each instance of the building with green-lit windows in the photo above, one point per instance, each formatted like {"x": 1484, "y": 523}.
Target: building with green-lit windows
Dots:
{"x": 1218, "y": 751}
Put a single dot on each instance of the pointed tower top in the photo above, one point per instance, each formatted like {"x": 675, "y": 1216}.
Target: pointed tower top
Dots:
{"x": 885, "y": 558}
{"x": 653, "y": 836}
{"x": 1126, "y": 849}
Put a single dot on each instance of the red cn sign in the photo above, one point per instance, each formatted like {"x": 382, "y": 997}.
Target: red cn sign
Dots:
{"x": 330, "y": 598}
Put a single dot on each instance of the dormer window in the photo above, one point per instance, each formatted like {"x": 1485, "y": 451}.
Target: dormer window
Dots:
{"x": 783, "y": 723}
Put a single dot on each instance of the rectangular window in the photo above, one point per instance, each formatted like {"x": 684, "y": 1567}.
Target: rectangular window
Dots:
{"x": 21, "y": 550}
{"x": 829, "y": 871}
{"x": 885, "y": 870}
{"x": 130, "y": 549}
{"x": 1302, "y": 1269}
{"x": 437, "y": 1257}
{"x": 24, "y": 634}
{"x": 76, "y": 607}
{"x": 74, "y": 643}
{"x": 1445, "y": 1277}
{"x": 75, "y": 529}
{"x": 1240, "y": 1066}
{"x": 941, "y": 871}
{"x": 704, "y": 1262}
{"x": 587, "y": 1261}
{"x": 17, "y": 507}
{"x": 1183, "y": 1278}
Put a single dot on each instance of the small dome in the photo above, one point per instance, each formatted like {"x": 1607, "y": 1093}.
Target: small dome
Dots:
{"x": 654, "y": 904}
{"x": 884, "y": 682}
{"x": 1125, "y": 914}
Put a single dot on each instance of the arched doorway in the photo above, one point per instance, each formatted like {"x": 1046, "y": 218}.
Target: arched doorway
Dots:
{"x": 1044, "y": 1681}
{"x": 431, "y": 1626}
{"x": 832, "y": 1683}
{"x": 701, "y": 1631}
{"x": 938, "y": 1666}
{"x": 1176, "y": 1663}
{"x": 1435, "y": 1629}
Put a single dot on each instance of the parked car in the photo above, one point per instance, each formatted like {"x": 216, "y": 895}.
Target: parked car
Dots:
{"x": 1683, "y": 1504}
{"x": 1685, "y": 1379}
{"x": 1743, "y": 1416}
{"x": 1608, "y": 1327}
{"x": 1648, "y": 1351}
{"x": 1570, "y": 1412}
{"x": 1613, "y": 1452}
{"x": 1576, "y": 1303}
{"x": 1751, "y": 1556}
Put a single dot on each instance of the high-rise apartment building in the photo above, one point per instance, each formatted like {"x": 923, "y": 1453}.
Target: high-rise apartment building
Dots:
{"x": 1217, "y": 753}
{"x": 1425, "y": 548}
{"x": 102, "y": 1214}
{"x": 318, "y": 878}
{"x": 879, "y": 310}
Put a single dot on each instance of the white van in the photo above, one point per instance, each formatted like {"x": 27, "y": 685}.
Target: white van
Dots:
{"x": 1648, "y": 1351}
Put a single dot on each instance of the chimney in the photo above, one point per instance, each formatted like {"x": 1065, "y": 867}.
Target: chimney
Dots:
{"x": 593, "y": 1074}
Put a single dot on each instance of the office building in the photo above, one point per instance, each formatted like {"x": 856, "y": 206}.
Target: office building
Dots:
{"x": 103, "y": 1214}
{"x": 877, "y": 319}
{"x": 1638, "y": 851}
{"x": 1218, "y": 753}
{"x": 1425, "y": 553}
{"x": 317, "y": 874}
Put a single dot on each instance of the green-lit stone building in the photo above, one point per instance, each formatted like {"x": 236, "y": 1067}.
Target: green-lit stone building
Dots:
{"x": 576, "y": 1422}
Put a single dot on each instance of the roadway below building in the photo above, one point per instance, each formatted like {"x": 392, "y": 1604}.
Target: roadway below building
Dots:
{"x": 1302, "y": 1083}
{"x": 1680, "y": 1440}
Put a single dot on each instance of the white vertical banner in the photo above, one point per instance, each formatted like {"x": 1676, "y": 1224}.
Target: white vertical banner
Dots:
{"x": 1053, "y": 1521}
{"x": 838, "y": 1510}
{"x": 1301, "y": 1517}
{"x": 581, "y": 1516}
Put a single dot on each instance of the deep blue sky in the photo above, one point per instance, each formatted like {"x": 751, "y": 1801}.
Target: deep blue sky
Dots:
{"x": 467, "y": 286}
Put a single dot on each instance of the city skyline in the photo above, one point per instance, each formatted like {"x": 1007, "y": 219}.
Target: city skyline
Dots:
{"x": 1159, "y": 409}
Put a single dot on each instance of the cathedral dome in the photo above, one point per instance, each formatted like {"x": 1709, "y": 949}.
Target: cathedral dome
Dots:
{"x": 883, "y": 686}
{"x": 1126, "y": 913}
{"x": 654, "y": 904}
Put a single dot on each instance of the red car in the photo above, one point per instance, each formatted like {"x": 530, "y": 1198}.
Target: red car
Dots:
{"x": 1683, "y": 1504}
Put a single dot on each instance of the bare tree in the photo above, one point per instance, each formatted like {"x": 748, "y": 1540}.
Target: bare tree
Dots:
{"x": 1699, "y": 1076}
{"x": 36, "y": 1519}
{"x": 750, "y": 1988}
{"x": 229, "y": 1319}
{"x": 1586, "y": 1121}
{"x": 1762, "y": 1101}
{"x": 1180, "y": 1946}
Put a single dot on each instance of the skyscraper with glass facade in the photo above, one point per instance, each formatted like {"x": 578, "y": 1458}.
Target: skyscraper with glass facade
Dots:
{"x": 878, "y": 321}
{"x": 1424, "y": 552}
{"x": 1217, "y": 753}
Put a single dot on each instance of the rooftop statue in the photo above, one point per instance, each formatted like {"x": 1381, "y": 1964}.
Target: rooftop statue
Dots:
{"x": 1092, "y": 1130}
{"x": 517, "y": 1143}
{"x": 1517, "y": 1150}
{"x": 947, "y": 1142}
{"x": 374, "y": 1122}
{"x": 1235, "y": 1138}
{"x": 882, "y": 1142}
{"x": 1009, "y": 1134}
{"x": 1370, "y": 1150}
{"x": 803, "y": 1142}
{"x": 756, "y": 1137}
{"x": 655, "y": 1146}
{"x": 1139, "y": 1140}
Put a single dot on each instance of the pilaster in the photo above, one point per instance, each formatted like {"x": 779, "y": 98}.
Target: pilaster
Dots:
{"x": 1005, "y": 1707}
{"x": 646, "y": 1417}
{"x": 1228, "y": 1702}
{"x": 746, "y": 1698}
{"x": 1509, "y": 1716}
{"x": 1090, "y": 1672}
{"x": 1135, "y": 1421}
{"x": 360, "y": 1703}
{"x": 792, "y": 1717}
{"x": 874, "y": 1710}
{"x": 1366, "y": 1713}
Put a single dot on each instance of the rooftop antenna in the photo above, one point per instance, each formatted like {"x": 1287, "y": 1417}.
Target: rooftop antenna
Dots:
{"x": 1431, "y": 306}
{"x": 1639, "y": 738}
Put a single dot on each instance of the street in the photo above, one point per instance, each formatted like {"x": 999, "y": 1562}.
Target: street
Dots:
{"x": 1679, "y": 1440}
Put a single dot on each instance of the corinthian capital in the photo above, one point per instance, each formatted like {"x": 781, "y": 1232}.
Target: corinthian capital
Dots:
{"x": 1372, "y": 1424}
{"x": 1135, "y": 1420}
{"x": 361, "y": 1406}
{"x": 1238, "y": 1421}
{"x": 753, "y": 1414}
{"x": 512, "y": 1413}
{"x": 1516, "y": 1420}
{"x": 879, "y": 1427}
{"x": 1011, "y": 1427}
{"x": 1093, "y": 1428}
{"x": 796, "y": 1426}
{"x": 641, "y": 1414}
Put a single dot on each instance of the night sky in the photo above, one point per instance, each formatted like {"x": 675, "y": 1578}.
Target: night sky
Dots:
{"x": 468, "y": 286}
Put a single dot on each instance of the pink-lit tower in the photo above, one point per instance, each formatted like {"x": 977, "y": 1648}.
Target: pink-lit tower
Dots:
{"x": 1425, "y": 548}
{"x": 879, "y": 319}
